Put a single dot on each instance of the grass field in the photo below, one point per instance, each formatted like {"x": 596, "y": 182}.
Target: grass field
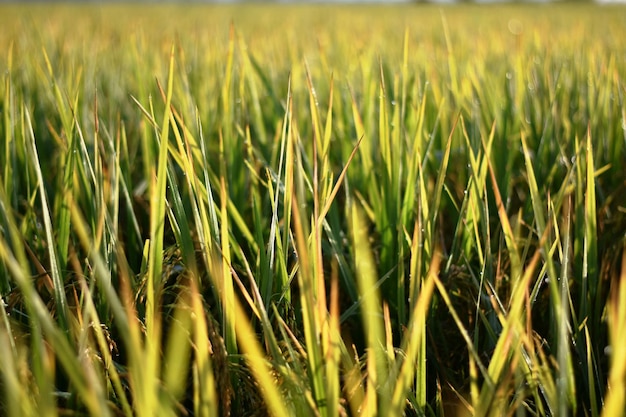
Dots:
{"x": 308, "y": 210}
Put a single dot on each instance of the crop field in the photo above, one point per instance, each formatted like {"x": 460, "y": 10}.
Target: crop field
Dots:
{"x": 308, "y": 210}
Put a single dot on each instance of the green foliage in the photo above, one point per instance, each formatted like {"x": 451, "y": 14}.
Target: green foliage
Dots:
{"x": 272, "y": 210}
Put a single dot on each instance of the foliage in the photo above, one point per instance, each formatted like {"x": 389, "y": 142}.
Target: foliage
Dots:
{"x": 295, "y": 210}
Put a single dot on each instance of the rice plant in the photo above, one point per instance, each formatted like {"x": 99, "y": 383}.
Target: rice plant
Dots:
{"x": 293, "y": 210}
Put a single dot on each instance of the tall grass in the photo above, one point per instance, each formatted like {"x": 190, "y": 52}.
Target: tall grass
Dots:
{"x": 267, "y": 210}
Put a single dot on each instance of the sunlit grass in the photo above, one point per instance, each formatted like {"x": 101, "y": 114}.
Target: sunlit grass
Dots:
{"x": 300, "y": 210}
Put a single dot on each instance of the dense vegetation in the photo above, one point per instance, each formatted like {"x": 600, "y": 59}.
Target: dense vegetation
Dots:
{"x": 298, "y": 210}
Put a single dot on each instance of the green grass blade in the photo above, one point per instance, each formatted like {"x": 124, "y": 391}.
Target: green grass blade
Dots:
{"x": 57, "y": 280}
{"x": 155, "y": 256}
{"x": 590, "y": 249}
{"x": 311, "y": 322}
{"x": 225, "y": 284}
{"x": 565, "y": 377}
{"x": 371, "y": 313}
{"x": 414, "y": 361}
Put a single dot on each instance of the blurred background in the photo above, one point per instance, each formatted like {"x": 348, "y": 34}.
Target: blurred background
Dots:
{"x": 319, "y": 1}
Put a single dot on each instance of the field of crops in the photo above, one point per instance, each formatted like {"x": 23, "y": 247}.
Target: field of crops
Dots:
{"x": 312, "y": 210}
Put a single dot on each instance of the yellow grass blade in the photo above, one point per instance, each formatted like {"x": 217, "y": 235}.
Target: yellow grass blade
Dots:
{"x": 615, "y": 402}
